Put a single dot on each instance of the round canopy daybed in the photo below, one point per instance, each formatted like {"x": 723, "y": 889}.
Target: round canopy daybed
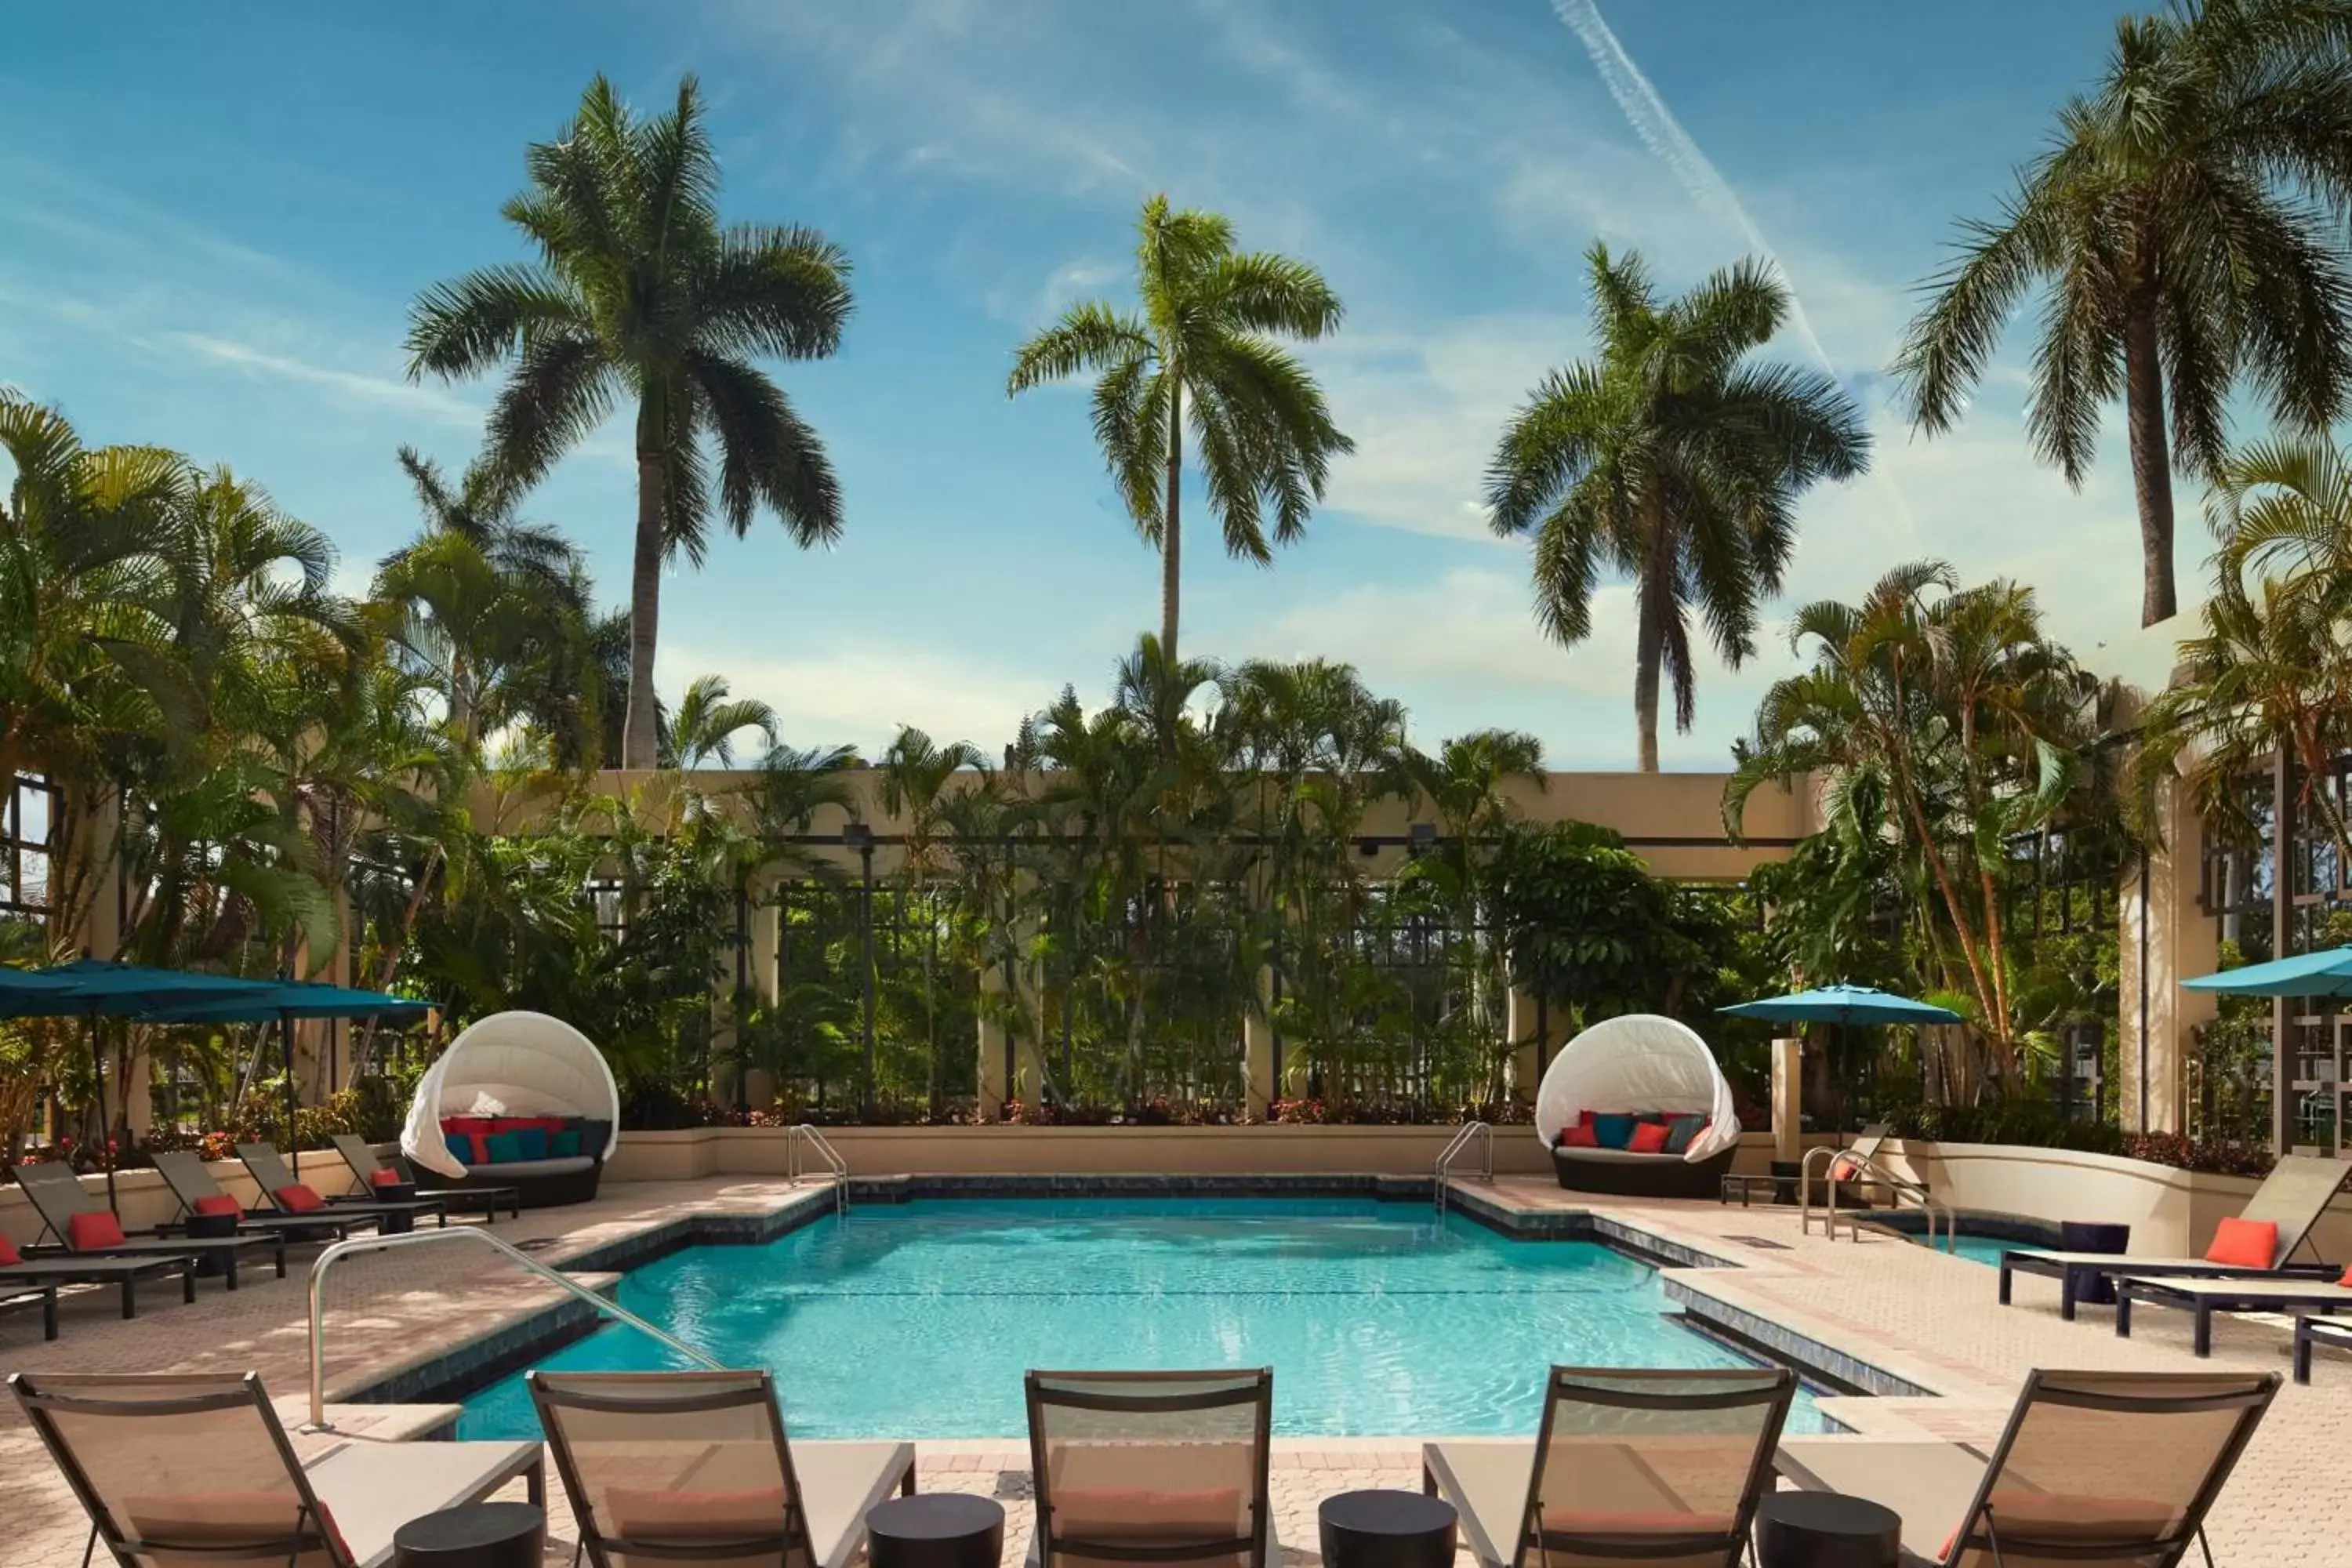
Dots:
{"x": 519, "y": 1101}
{"x": 1616, "y": 1077}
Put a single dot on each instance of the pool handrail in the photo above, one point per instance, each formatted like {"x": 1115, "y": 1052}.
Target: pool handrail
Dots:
{"x": 805, "y": 1132}
{"x": 1460, "y": 1141}
{"x": 1868, "y": 1170}
{"x": 341, "y": 1249}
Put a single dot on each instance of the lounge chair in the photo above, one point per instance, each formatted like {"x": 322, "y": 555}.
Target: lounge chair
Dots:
{"x": 692, "y": 1467}
{"x": 183, "y": 1470}
{"x": 2293, "y": 1196}
{"x": 2206, "y": 1297}
{"x": 44, "y": 1275}
{"x": 57, "y": 1195}
{"x": 183, "y": 1171}
{"x": 270, "y": 1173}
{"x": 1649, "y": 1466}
{"x": 364, "y": 1164}
{"x": 2117, "y": 1469}
{"x": 1152, "y": 1467}
{"x": 2310, "y": 1333}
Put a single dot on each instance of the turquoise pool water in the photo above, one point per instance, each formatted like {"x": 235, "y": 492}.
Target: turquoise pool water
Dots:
{"x": 917, "y": 1321}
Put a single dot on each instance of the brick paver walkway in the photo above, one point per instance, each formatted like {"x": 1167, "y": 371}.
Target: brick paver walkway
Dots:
{"x": 1927, "y": 1318}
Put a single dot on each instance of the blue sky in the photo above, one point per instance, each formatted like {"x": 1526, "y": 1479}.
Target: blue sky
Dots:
{"x": 212, "y": 219}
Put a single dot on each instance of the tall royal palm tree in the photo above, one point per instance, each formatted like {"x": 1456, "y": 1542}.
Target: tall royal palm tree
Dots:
{"x": 1201, "y": 351}
{"x": 640, "y": 293}
{"x": 1673, "y": 460}
{"x": 2185, "y": 228}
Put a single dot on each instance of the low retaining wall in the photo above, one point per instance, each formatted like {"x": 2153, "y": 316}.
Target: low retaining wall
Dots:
{"x": 2172, "y": 1212}
{"x": 1091, "y": 1151}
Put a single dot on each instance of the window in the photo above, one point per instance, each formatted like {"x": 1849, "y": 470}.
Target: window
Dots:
{"x": 604, "y": 897}
{"x": 28, "y": 816}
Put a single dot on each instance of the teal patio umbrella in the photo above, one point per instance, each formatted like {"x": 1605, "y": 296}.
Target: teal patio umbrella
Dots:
{"x": 1843, "y": 1005}
{"x": 2327, "y": 974}
{"x": 95, "y": 988}
{"x": 284, "y": 1001}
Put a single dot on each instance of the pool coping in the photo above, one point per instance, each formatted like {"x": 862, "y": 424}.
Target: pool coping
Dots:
{"x": 465, "y": 1365}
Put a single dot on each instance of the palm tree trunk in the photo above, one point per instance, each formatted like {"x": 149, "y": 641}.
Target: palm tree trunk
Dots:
{"x": 639, "y": 741}
{"x": 1650, "y": 644}
{"x": 2151, "y": 459}
{"x": 1171, "y": 533}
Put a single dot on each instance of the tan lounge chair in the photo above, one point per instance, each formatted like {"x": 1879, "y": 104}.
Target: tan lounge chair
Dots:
{"x": 2293, "y": 1197}
{"x": 2206, "y": 1297}
{"x": 1152, "y": 1467}
{"x": 2095, "y": 1467}
{"x": 57, "y": 1195}
{"x": 195, "y": 1472}
{"x": 692, "y": 1467}
{"x": 360, "y": 1159}
{"x": 1656, "y": 1466}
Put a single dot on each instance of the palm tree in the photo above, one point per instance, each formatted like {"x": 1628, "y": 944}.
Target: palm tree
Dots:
{"x": 640, "y": 292}
{"x": 2185, "y": 228}
{"x": 1202, "y": 350}
{"x": 1670, "y": 461}
{"x": 709, "y": 719}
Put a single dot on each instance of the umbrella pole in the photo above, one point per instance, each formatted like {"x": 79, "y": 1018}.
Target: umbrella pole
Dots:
{"x": 285, "y": 1023}
{"x": 105, "y": 1127}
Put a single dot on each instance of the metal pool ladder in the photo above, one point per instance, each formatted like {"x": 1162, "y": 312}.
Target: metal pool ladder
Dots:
{"x": 340, "y": 1250}
{"x": 1460, "y": 1141}
{"x": 1867, "y": 1172}
{"x": 806, "y": 1134}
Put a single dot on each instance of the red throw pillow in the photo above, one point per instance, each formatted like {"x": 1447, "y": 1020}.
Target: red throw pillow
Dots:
{"x": 384, "y": 1178}
{"x": 469, "y": 1125}
{"x": 9, "y": 1256}
{"x": 1578, "y": 1137}
{"x": 218, "y": 1203}
{"x": 86, "y": 1232}
{"x": 2244, "y": 1244}
{"x": 1843, "y": 1169}
{"x": 1649, "y": 1138}
{"x": 297, "y": 1198}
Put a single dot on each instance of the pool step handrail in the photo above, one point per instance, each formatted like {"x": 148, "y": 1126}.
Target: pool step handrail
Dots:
{"x": 340, "y": 1250}
{"x": 806, "y": 1133}
{"x": 1460, "y": 1141}
{"x": 1868, "y": 1172}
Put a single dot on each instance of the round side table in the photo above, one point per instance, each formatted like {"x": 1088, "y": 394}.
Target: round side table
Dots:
{"x": 1825, "y": 1530}
{"x": 1387, "y": 1530}
{"x": 479, "y": 1535}
{"x": 936, "y": 1530}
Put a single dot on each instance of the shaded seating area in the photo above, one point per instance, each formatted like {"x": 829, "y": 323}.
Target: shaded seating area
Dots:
{"x": 397, "y": 1179}
{"x": 1652, "y": 1466}
{"x": 198, "y": 1470}
{"x": 1636, "y": 1106}
{"x": 82, "y": 1226}
{"x": 1152, "y": 1467}
{"x": 519, "y": 1100}
{"x": 2092, "y": 1467}
{"x": 694, "y": 1467}
{"x": 293, "y": 1196}
{"x": 201, "y": 1198}
{"x": 2263, "y": 1240}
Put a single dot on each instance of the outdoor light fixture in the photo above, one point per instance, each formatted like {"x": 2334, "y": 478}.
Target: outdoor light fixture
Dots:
{"x": 1423, "y": 836}
{"x": 857, "y": 836}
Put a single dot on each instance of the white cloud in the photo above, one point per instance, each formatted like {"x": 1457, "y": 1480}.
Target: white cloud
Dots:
{"x": 862, "y": 697}
{"x": 430, "y": 400}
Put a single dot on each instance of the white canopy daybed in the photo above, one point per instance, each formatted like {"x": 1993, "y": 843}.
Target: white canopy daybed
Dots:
{"x": 515, "y": 1071}
{"x": 1614, "y": 1076}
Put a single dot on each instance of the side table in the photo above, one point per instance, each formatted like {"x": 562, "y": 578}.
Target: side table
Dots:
{"x": 1825, "y": 1530}
{"x": 936, "y": 1530}
{"x": 478, "y": 1535}
{"x": 1382, "y": 1528}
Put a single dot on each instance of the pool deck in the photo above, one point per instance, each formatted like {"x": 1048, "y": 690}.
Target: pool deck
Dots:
{"x": 1896, "y": 1315}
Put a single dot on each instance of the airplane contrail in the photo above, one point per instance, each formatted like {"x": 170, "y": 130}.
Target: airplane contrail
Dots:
{"x": 1664, "y": 135}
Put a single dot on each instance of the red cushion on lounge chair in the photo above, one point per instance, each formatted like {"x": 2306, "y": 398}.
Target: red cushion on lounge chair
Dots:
{"x": 9, "y": 1256}
{"x": 87, "y": 1231}
{"x": 1578, "y": 1137}
{"x": 1843, "y": 1169}
{"x": 2244, "y": 1244}
{"x": 1604, "y": 1521}
{"x": 2076, "y": 1520}
{"x": 218, "y": 1203}
{"x": 384, "y": 1178}
{"x": 296, "y": 1197}
{"x": 215, "y": 1519}
{"x": 1649, "y": 1138}
{"x": 1116, "y": 1513}
{"x": 634, "y": 1513}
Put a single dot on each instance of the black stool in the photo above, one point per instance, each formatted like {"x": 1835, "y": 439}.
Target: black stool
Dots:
{"x": 2087, "y": 1236}
{"x": 1386, "y": 1530}
{"x": 479, "y": 1535}
{"x": 936, "y": 1530}
{"x": 1825, "y": 1530}
{"x": 210, "y": 1227}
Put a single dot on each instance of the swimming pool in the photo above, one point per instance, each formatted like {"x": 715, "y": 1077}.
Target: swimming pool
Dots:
{"x": 917, "y": 1321}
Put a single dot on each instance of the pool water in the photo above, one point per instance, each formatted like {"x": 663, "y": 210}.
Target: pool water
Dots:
{"x": 917, "y": 1321}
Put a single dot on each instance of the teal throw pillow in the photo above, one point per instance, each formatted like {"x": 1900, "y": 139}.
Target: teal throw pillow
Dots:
{"x": 530, "y": 1142}
{"x": 1611, "y": 1129}
{"x": 503, "y": 1148}
{"x": 1681, "y": 1130}
{"x": 563, "y": 1145}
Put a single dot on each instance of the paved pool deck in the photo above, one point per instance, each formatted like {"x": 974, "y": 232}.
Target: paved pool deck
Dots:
{"x": 1907, "y": 1318}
